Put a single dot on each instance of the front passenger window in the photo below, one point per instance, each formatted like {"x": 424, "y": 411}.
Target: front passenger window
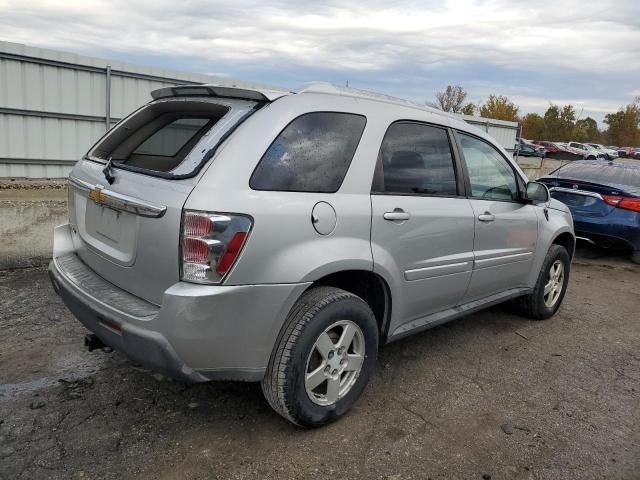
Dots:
{"x": 491, "y": 177}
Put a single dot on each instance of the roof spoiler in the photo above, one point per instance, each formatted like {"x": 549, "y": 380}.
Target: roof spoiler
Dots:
{"x": 258, "y": 95}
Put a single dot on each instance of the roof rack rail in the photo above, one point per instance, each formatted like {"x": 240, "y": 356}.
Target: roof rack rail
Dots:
{"x": 328, "y": 88}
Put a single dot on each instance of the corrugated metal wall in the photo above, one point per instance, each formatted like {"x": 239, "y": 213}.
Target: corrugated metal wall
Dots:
{"x": 506, "y": 133}
{"x": 55, "y": 105}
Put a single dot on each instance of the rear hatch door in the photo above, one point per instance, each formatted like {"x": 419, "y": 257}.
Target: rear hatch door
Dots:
{"x": 128, "y": 231}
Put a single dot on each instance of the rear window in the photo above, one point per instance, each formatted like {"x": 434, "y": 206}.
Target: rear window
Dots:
{"x": 602, "y": 172}
{"x": 160, "y": 136}
{"x": 312, "y": 154}
{"x": 170, "y": 139}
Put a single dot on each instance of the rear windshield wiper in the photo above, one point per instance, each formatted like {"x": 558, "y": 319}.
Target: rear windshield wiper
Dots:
{"x": 108, "y": 171}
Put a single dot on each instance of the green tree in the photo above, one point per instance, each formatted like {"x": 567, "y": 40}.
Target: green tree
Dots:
{"x": 552, "y": 123}
{"x": 624, "y": 125}
{"x": 567, "y": 122}
{"x": 469, "y": 109}
{"x": 586, "y": 130}
{"x": 500, "y": 108}
{"x": 533, "y": 126}
{"x": 559, "y": 123}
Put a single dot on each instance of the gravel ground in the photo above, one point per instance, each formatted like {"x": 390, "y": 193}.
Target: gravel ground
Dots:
{"x": 488, "y": 396}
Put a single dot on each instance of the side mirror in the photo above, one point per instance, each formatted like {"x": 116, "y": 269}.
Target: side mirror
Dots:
{"x": 537, "y": 192}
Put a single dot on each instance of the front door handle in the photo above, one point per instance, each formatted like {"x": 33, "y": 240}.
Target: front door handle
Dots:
{"x": 486, "y": 217}
{"x": 398, "y": 215}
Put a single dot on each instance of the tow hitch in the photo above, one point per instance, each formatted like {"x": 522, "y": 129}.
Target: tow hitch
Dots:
{"x": 92, "y": 342}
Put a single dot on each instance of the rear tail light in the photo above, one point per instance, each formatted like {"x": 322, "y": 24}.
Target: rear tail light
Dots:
{"x": 211, "y": 243}
{"x": 628, "y": 203}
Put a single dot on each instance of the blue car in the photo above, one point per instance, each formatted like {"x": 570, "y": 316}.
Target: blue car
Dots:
{"x": 604, "y": 198}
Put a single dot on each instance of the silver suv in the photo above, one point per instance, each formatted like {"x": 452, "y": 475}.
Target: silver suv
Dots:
{"x": 229, "y": 234}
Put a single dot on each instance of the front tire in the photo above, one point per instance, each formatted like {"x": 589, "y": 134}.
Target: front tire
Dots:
{"x": 323, "y": 358}
{"x": 550, "y": 288}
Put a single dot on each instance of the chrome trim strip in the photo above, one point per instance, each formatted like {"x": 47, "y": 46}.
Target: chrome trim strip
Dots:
{"x": 577, "y": 192}
{"x": 118, "y": 201}
{"x": 437, "y": 271}
{"x": 79, "y": 184}
{"x": 502, "y": 260}
{"x": 585, "y": 239}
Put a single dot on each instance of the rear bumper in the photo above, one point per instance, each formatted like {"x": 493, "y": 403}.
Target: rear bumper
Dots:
{"x": 199, "y": 333}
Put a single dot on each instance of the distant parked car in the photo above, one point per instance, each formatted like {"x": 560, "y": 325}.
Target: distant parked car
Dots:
{"x": 577, "y": 153}
{"x": 558, "y": 151}
{"x": 609, "y": 153}
{"x": 524, "y": 149}
{"x": 604, "y": 198}
{"x": 629, "y": 152}
{"x": 589, "y": 152}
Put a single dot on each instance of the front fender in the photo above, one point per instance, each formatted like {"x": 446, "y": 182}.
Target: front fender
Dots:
{"x": 550, "y": 226}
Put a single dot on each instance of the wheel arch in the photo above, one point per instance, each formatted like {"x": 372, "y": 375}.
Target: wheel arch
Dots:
{"x": 369, "y": 286}
{"x": 566, "y": 240}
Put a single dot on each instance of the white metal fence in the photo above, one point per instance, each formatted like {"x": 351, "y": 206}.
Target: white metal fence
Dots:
{"x": 54, "y": 105}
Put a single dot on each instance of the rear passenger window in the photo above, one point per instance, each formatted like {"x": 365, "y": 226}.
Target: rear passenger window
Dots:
{"x": 415, "y": 159}
{"x": 312, "y": 154}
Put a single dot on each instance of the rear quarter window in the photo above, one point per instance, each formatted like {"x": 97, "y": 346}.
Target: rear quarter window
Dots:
{"x": 312, "y": 154}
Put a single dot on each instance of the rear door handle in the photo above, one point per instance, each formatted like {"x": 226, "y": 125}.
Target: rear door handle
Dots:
{"x": 398, "y": 215}
{"x": 486, "y": 217}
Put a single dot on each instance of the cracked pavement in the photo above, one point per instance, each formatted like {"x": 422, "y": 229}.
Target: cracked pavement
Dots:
{"x": 490, "y": 395}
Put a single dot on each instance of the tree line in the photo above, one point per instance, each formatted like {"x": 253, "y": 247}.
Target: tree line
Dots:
{"x": 558, "y": 124}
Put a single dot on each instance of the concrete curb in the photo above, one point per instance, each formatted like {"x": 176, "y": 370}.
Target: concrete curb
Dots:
{"x": 27, "y": 219}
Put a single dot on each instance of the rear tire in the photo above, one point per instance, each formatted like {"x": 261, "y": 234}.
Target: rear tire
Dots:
{"x": 314, "y": 347}
{"x": 635, "y": 257}
{"x": 548, "y": 293}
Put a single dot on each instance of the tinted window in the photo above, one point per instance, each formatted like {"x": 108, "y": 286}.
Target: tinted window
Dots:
{"x": 312, "y": 154}
{"x": 490, "y": 175}
{"x": 601, "y": 172}
{"x": 415, "y": 158}
{"x": 159, "y": 137}
{"x": 170, "y": 139}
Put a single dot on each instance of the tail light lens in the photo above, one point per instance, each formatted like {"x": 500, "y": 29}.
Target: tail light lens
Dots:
{"x": 211, "y": 243}
{"x": 628, "y": 203}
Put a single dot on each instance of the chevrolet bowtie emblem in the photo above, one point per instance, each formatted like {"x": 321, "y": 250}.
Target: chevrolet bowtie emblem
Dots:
{"x": 96, "y": 195}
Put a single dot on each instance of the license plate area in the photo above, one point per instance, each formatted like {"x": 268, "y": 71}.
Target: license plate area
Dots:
{"x": 107, "y": 225}
{"x": 110, "y": 233}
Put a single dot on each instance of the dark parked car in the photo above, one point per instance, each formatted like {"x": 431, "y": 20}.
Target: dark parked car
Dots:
{"x": 604, "y": 198}
{"x": 524, "y": 149}
{"x": 557, "y": 151}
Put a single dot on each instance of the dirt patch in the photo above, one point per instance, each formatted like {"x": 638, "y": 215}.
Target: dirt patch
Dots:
{"x": 488, "y": 396}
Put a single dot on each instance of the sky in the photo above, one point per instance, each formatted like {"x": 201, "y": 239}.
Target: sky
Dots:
{"x": 586, "y": 53}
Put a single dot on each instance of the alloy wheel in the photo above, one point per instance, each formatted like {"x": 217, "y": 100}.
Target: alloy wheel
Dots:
{"x": 554, "y": 284}
{"x": 334, "y": 363}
